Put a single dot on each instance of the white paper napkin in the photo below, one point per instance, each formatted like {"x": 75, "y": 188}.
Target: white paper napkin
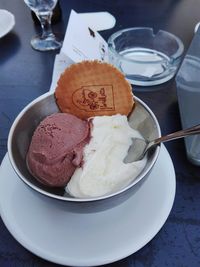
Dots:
{"x": 82, "y": 41}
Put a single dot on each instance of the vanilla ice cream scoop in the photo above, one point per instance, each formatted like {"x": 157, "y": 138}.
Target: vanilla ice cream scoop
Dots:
{"x": 104, "y": 171}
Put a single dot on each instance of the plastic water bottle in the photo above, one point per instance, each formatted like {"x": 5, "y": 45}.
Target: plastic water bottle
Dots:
{"x": 188, "y": 93}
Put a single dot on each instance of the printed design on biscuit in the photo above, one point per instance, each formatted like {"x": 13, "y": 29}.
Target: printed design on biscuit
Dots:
{"x": 94, "y": 97}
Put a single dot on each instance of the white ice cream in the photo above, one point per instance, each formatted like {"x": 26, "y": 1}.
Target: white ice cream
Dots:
{"x": 104, "y": 171}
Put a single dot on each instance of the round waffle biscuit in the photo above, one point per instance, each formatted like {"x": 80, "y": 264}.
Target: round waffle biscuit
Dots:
{"x": 94, "y": 88}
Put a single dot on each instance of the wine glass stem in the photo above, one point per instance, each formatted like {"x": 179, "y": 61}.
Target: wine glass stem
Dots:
{"x": 45, "y": 20}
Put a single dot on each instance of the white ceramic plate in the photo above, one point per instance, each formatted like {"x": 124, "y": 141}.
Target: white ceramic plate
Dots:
{"x": 47, "y": 229}
{"x": 7, "y": 22}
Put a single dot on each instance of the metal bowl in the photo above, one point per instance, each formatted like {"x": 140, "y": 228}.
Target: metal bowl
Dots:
{"x": 142, "y": 119}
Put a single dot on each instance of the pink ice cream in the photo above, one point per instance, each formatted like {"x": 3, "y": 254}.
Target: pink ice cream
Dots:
{"x": 56, "y": 148}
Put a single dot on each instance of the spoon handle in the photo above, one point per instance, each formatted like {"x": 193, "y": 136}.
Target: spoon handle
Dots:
{"x": 189, "y": 131}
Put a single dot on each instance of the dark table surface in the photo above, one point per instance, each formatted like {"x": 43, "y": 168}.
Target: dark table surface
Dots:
{"x": 26, "y": 74}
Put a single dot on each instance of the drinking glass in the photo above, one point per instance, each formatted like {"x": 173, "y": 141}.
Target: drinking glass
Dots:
{"x": 44, "y": 10}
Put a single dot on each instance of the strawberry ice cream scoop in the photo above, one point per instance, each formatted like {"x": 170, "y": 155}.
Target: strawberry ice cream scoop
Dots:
{"x": 56, "y": 148}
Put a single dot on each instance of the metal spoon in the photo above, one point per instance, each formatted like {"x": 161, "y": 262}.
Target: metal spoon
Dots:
{"x": 139, "y": 147}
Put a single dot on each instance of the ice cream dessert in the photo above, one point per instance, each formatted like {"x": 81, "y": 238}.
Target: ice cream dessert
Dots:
{"x": 56, "y": 148}
{"x": 104, "y": 171}
{"x": 82, "y": 148}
